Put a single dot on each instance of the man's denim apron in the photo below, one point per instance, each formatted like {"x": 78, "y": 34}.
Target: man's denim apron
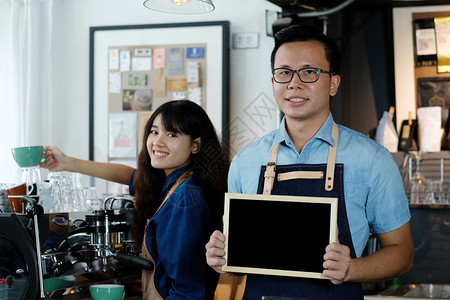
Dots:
{"x": 310, "y": 184}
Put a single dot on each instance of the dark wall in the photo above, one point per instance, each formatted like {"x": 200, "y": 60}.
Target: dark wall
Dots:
{"x": 364, "y": 36}
{"x": 367, "y": 86}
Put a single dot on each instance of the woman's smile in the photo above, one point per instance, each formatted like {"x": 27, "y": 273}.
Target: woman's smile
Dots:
{"x": 169, "y": 150}
{"x": 160, "y": 153}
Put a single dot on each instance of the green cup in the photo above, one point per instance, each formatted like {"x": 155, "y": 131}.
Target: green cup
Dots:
{"x": 107, "y": 291}
{"x": 58, "y": 283}
{"x": 28, "y": 156}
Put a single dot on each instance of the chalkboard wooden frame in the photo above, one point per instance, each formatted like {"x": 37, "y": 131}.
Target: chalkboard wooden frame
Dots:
{"x": 278, "y": 235}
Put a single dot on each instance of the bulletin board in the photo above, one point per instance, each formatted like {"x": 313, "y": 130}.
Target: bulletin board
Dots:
{"x": 140, "y": 79}
{"x": 136, "y": 68}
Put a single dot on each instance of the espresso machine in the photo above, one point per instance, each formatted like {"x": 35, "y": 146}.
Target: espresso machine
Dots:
{"x": 59, "y": 255}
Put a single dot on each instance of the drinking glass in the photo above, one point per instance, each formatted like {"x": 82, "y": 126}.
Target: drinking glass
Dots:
{"x": 77, "y": 199}
{"x": 417, "y": 181}
{"x": 62, "y": 192}
{"x": 91, "y": 198}
{"x": 55, "y": 180}
{"x": 67, "y": 198}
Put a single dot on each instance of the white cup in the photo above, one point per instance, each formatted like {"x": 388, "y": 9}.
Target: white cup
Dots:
{"x": 44, "y": 188}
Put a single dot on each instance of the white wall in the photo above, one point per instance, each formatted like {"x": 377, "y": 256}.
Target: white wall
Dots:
{"x": 405, "y": 91}
{"x": 249, "y": 68}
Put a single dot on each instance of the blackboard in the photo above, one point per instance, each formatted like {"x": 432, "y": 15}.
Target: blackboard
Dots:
{"x": 278, "y": 235}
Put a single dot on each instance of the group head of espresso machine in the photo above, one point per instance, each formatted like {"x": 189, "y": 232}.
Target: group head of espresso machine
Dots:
{"x": 93, "y": 241}
{"x": 79, "y": 249}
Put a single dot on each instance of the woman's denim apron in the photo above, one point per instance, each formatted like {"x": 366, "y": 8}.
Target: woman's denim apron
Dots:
{"x": 311, "y": 183}
{"x": 149, "y": 290}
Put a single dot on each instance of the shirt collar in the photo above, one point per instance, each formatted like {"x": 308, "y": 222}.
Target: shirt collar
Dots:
{"x": 172, "y": 177}
{"x": 324, "y": 133}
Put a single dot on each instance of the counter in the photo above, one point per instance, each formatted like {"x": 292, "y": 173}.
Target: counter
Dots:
{"x": 378, "y": 297}
{"x": 414, "y": 291}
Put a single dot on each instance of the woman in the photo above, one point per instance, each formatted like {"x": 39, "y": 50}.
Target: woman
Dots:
{"x": 179, "y": 136}
{"x": 180, "y": 183}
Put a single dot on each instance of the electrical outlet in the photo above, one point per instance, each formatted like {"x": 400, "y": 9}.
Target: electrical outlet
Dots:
{"x": 245, "y": 40}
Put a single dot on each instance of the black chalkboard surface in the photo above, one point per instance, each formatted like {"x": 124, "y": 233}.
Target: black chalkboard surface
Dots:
{"x": 278, "y": 235}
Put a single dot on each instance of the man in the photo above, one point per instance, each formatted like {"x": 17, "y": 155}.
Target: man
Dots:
{"x": 366, "y": 180}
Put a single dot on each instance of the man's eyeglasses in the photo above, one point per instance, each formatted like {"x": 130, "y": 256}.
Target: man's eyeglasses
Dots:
{"x": 306, "y": 75}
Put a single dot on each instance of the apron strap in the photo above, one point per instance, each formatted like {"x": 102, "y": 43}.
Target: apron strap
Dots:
{"x": 179, "y": 181}
{"x": 329, "y": 179}
{"x": 300, "y": 174}
{"x": 149, "y": 289}
{"x": 269, "y": 174}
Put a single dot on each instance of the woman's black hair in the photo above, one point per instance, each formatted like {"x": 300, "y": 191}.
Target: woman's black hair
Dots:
{"x": 210, "y": 164}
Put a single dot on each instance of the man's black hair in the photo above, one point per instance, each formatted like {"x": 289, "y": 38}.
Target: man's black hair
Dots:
{"x": 303, "y": 33}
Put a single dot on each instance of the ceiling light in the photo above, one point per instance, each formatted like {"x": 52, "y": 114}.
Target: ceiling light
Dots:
{"x": 180, "y": 6}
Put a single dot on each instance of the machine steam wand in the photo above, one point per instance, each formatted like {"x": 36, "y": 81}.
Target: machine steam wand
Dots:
{"x": 34, "y": 210}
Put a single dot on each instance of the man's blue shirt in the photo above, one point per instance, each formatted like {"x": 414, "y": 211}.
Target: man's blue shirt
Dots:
{"x": 373, "y": 188}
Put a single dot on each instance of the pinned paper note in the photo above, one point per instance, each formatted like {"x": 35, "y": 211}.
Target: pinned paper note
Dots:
{"x": 137, "y": 79}
{"x": 159, "y": 58}
{"x": 115, "y": 84}
{"x": 142, "y": 63}
{"x": 160, "y": 85}
{"x": 175, "y": 85}
{"x": 175, "y": 61}
{"x": 195, "y": 52}
{"x": 143, "y": 52}
{"x": 195, "y": 95}
{"x": 125, "y": 61}
{"x": 179, "y": 96}
{"x": 122, "y": 135}
{"x": 144, "y": 99}
{"x": 127, "y": 99}
{"x": 113, "y": 59}
{"x": 193, "y": 73}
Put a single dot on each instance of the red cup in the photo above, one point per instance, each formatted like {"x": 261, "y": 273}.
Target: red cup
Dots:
{"x": 15, "y": 202}
{"x": 20, "y": 189}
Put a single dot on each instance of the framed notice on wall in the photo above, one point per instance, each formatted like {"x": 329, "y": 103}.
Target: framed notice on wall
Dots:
{"x": 136, "y": 68}
{"x": 259, "y": 230}
{"x": 442, "y": 25}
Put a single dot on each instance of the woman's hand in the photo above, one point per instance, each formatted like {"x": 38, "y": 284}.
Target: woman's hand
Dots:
{"x": 56, "y": 160}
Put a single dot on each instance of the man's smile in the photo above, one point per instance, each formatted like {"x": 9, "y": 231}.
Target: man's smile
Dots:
{"x": 297, "y": 99}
